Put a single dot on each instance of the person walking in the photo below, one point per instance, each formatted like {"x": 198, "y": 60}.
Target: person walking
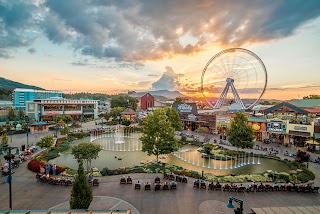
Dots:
{"x": 48, "y": 169}
{"x": 54, "y": 169}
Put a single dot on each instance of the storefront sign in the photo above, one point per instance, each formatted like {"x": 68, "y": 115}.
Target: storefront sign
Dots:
{"x": 300, "y": 128}
{"x": 190, "y": 108}
{"x": 73, "y": 112}
{"x": 275, "y": 130}
{"x": 276, "y": 127}
{"x": 52, "y": 112}
{"x": 192, "y": 117}
{"x": 256, "y": 127}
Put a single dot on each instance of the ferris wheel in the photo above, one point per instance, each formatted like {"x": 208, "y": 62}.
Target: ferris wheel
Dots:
{"x": 237, "y": 69}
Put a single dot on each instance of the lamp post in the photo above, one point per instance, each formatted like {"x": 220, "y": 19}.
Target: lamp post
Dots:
{"x": 239, "y": 201}
{"x": 27, "y": 122}
{"x": 56, "y": 128}
{"x": 9, "y": 157}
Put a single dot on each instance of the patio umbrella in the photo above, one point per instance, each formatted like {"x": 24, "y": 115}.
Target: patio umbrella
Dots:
{"x": 269, "y": 114}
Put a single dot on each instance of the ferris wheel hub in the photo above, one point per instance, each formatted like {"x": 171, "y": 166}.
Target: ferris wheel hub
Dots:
{"x": 229, "y": 80}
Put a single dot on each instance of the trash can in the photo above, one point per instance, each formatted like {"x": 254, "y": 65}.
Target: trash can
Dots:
{"x": 23, "y": 147}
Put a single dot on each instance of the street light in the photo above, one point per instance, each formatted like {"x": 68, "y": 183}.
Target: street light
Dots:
{"x": 9, "y": 157}
{"x": 27, "y": 122}
{"x": 56, "y": 128}
{"x": 239, "y": 201}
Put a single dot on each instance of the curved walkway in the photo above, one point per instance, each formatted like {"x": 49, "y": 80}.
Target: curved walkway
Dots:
{"x": 102, "y": 203}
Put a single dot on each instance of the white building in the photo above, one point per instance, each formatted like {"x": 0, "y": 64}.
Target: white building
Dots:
{"x": 47, "y": 109}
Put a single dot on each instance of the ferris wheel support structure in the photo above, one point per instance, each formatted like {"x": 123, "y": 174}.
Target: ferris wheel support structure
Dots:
{"x": 222, "y": 99}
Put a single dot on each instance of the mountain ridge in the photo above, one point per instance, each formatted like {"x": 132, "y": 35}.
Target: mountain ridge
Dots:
{"x": 161, "y": 93}
{"x": 10, "y": 84}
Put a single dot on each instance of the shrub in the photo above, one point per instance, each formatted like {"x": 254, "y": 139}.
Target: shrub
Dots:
{"x": 183, "y": 138}
{"x": 126, "y": 122}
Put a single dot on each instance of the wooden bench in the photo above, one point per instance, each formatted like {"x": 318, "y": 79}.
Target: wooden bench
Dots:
{"x": 123, "y": 181}
{"x": 95, "y": 182}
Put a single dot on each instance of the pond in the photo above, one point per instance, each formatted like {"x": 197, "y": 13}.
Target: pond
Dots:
{"x": 129, "y": 151}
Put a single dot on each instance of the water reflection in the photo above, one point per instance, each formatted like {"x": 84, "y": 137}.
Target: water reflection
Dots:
{"x": 188, "y": 157}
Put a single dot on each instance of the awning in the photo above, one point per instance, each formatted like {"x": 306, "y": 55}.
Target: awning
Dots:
{"x": 312, "y": 142}
{"x": 316, "y": 135}
{"x": 301, "y": 134}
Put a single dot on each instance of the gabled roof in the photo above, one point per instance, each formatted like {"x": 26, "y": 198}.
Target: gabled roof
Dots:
{"x": 285, "y": 105}
{"x": 306, "y": 103}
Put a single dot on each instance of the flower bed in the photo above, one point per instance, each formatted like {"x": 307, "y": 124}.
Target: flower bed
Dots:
{"x": 34, "y": 166}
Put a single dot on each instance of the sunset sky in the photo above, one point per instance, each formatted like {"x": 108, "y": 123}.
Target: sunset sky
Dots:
{"x": 114, "y": 46}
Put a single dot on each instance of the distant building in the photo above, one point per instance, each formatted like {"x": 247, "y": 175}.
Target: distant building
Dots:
{"x": 47, "y": 109}
{"x": 21, "y": 96}
{"x": 5, "y": 104}
{"x": 146, "y": 101}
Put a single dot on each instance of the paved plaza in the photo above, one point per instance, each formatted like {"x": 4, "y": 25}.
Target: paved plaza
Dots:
{"x": 29, "y": 194}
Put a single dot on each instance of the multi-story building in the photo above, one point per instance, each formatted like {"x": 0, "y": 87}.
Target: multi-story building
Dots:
{"x": 48, "y": 109}
{"x": 21, "y": 96}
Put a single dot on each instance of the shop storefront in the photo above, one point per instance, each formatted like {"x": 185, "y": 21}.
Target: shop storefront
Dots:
{"x": 191, "y": 119}
{"x": 277, "y": 131}
{"x": 299, "y": 133}
{"x": 259, "y": 126}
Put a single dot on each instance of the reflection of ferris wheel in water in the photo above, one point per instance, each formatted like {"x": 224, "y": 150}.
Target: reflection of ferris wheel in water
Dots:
{"x": 237, "y": 69}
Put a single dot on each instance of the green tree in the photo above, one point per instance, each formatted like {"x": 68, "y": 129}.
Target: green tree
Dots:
{"x": 4, "y": 140}
{"x": 86, "y": 152}
{"x": 124, "y": 100}
{"x": 46, "y": 142}
{"x": 65, "y": 130}
{"x": 203, "y": 130}
{"x": 67, "y": 119}
{"x": 312, "y": 96}
{"x": 240, "y": 134}
{"x": 114, "y": 112}
{"x": 174, "y": 118}
{"x": 158, "y": 134}
{"x": 81, "y": 193}
{"x": 11, "y": 114}
{"x": 21, "y": 114}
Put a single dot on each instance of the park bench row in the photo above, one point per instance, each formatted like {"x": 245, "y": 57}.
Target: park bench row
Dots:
{"x": 61, "y": 181}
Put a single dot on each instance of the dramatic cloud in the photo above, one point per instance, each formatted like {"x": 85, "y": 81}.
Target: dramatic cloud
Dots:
{"x": 84, "y": 62}
{"x": 32, "y": 50}
{"x": 16, "y": 17}
{"x": 142, "y": 30}
{"x": 136, "y": 31}
{"x": 169, "y": 80}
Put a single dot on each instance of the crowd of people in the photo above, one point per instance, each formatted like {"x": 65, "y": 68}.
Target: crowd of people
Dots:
{"x": 16, "y": 160}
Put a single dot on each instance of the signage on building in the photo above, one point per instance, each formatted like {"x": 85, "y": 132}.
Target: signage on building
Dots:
{"x": 300, "y": 128}
{"x": 192, "y": 117}
{"x": 190, "y": 108}
{"x": 73, "y": 112}
{"x": 256, "y": 127}
{"x": 52, "y": 112}
{"x": 277, "y": 127}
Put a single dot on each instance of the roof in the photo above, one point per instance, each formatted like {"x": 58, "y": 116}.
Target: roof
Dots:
{"x": 128, "y": 111}
{"x": 286, "y": 105}
{"x": 33, "y": 90}
{"x": 257, "y": 119}
{"x": 307, "y": 103}
{"x": 312, "y": 110}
